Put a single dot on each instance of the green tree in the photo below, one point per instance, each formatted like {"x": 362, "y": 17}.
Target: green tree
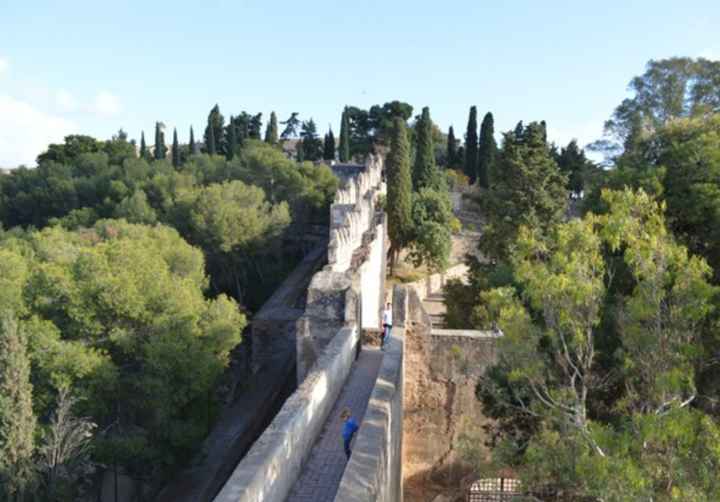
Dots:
{"x": 192, "y": 147}
{"x": 344, "y": 149}
{"x": 425, "y": 173}
{"x": 175, "y": 149}
{"x": 399, "y": 192}
{"x": 329, "y": 146}
{"x": 452, "y": 145}
{"x": 311, "y": 145}
{"x": 143, "y": 147}
{"x": 670, "y": 88}
{"x": 232, "y": 140}
{"x": 17, "y": 421}
{"x": 136, "y": 209}
{"x": 487, "y": 151}
{"x": 432, "y": 225}
{"x": 530, "y": 192}
{"x": 72, "y": 147}
{"x": 471, "y": 147}
{"x": 550, "y": 357}
{"x": 160, "y": 148}
{"x": 215, "y": 132}
{"x": 575, "y": 166}
{"x": 291, "y": 126}
{"x": 271, "y": 133}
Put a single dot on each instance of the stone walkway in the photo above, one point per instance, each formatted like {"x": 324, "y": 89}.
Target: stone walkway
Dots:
{"x": 323, "y": 472}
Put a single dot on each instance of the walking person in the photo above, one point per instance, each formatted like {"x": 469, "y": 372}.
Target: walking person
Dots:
{"x": 387, "y": 325}
{"x": 350, "y": 427}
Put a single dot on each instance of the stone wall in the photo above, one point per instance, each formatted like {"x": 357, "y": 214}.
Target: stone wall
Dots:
{"x": 442, "y": 371}
{"x": 374, "y": 473}
{"x": 271, "y": 467}
{"x": 348, "y": 290}
{"x": 433, "y": 284}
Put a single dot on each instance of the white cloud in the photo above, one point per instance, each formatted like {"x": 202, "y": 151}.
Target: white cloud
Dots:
{"x": 4, "y": 65}
{"x": 26, "y": 131}
{"x": 65, "y": 101}
{"x": 106, "y": 104}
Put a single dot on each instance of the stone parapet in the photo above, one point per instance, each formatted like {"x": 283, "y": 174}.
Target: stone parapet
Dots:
{"x": 374, "y": 473}
{"x": 273, "y": 464}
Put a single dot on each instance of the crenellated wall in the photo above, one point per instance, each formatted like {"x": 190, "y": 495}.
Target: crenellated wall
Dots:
{"x": 342, "y": 298}
{"x": 349, "y": 289}
{"x": 352, "y": 213}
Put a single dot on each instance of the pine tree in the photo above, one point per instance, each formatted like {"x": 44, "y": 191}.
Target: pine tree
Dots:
{"x": 175, "y": 149}
{"x": 271, "y": 134}
{"x": 192, "y": 147}
{"x": 399, "y": 191}
{"x": 471, "y": 146}
{"x": 344, "y": 149}
{"x": 17, "y": 422}
{"x": 160, "y": 148}
{"x": 143, "y": 146}
{"x": 451, "y": 148}
{"x": 487, "y": 151}
{"x": 310, "y": 144}
{"x": 232, "y": 140}
{"x": 530, "y": 192}
{"x": 214, "y": 129}
{"x": 424, "y": 171}
{"x": 329, "y": 146}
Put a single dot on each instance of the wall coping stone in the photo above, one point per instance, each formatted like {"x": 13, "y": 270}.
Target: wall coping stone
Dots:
{"x": 273, "y": 464}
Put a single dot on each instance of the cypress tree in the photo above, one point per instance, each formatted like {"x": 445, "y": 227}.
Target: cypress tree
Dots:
{"x": 399, "y": 191}
{"x": 17, "y": 420}
{"x": 471, "y": 146}
{"x": 143, "y": 146}
{"x": 160, "y": 148}
{"x": 191, "y": 146}
{"x": 232, "y": 140}
{"x": 215, "y": 127}
{"x": 210, "y": 140}
{"x": 271, "y": 133}
{"x": 424, "y": 171}
{"x": 451, "y": 148}
{"x": 487, "y": 151}
{"x": 300, "y": 150}
{"x": 344, "y": 149}
{"x": 175, "y": 149}
{"x": 519, "y": 128}
{"x": 329, "y": 146}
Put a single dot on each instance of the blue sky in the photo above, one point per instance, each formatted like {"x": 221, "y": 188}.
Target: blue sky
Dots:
{"x": 93, "y": 67}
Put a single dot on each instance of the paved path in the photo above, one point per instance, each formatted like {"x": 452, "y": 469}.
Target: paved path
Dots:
{"x": 321, "y": 476}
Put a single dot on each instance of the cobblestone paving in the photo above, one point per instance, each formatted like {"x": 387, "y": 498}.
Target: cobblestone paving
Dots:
{"x": 321, "y": 475}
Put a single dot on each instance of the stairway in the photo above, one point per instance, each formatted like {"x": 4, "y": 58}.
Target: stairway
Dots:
{"x": 434, "y": 305}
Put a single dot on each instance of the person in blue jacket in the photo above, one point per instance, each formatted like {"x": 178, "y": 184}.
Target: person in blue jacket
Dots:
{"x": 350, "y": 427}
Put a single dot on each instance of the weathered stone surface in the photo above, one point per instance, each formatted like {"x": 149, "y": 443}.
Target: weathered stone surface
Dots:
{"x": 374, "y": 473}
{"x": 442, "y": 371}
{"x": 273, "y": 464}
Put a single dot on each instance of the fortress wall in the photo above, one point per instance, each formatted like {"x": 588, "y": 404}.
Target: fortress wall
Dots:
{"x": 434, "y": 283}
{"x": 348, "y": 291}
{"x": 374, "y": 473}
{"x": 442, "y": 370}
{"x": 273, "y": 464}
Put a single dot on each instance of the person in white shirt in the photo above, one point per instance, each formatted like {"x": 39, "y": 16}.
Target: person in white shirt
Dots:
{"x": 387, "y": 325}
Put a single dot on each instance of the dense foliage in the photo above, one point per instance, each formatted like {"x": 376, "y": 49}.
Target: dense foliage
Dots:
{"x": 116, "y": 315}
{"x": 605, "y": 386}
